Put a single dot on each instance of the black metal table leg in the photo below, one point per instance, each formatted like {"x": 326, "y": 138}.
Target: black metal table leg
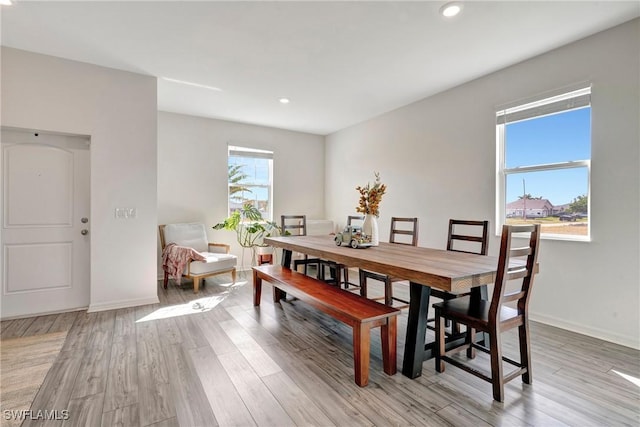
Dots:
{"x": 416, "y": 330}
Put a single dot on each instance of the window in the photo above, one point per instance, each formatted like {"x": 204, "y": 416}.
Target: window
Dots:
{"x": 544, "y": 161}
{"x": 250, "y": 179}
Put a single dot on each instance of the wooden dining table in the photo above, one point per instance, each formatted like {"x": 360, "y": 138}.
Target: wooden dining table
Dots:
{"x": 423, "y": 267}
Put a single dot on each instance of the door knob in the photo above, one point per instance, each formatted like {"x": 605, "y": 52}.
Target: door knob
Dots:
{"x": 84, "y": 220}
{"x": 84, "y": 232}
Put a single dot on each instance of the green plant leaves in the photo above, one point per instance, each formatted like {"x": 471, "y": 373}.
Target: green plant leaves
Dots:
{"x": 249, "y": 226}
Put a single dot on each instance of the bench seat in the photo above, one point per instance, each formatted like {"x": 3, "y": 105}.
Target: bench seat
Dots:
{"x": 359, "y": 313}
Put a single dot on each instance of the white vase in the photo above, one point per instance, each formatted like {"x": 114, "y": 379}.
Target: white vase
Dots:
{"x": 370, "y": 228}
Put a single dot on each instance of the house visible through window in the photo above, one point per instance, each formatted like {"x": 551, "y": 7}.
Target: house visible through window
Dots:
{"x": 544, "y": 161}
{"x": 250, "y": 179}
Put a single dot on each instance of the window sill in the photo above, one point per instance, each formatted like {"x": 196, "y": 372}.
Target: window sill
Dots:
{"x": 562, "y": 237}
{"x": 565, "y": 237}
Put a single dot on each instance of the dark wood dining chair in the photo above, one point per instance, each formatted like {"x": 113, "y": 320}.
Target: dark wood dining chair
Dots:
{"x": 340, "y": 270}
{"x": 296, "y": 225}
{"x": 494, "y": 317}
{"x": 352, "y": 218}
{"x": 345, "y": 268}
{"x": 481, "y": 238}
{"x": 464, "y": 236}
{"x": 404, "y": 231}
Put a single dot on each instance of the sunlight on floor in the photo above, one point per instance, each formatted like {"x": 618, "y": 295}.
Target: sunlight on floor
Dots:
{"x": 633, "y": 380}
{"x": 200, "y": 305}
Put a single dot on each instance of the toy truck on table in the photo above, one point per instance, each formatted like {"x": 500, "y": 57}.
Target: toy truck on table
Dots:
{"x": 353, "y": 236}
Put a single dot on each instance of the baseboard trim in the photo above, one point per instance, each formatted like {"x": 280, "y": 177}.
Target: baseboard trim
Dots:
{"x": 602, "y": 334}
{"x": 45, "y": 313}
{"x": 114, "y": 305}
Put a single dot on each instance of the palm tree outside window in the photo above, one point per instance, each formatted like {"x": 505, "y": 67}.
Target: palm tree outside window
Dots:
{"x": 250, "y": 173}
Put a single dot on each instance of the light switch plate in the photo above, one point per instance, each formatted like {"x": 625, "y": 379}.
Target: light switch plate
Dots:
{"x": 126, "y": 213}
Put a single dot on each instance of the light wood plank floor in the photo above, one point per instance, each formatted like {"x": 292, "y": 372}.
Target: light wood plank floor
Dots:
{"x": 213, "y": 359}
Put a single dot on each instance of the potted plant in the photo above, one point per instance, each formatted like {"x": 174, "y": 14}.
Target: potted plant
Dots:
{"x": 251, "y": 229}
{"x": 369, "y": 205}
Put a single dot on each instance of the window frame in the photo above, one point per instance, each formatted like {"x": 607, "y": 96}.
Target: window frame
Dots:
{"x": 233, "y": 150}
{"x": 502, "y": 172}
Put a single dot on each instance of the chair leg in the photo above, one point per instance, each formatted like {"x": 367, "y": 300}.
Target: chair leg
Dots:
{"x": 471, "y": 338}
{"x": 338, "y": 274}
{"x": 332, "y": 273}
{"x": 497, "y": 379}
{"x": 525, "y": 353}
{"x": 439, "y": 340}
{"x": 363, "y": 284}
{"x": 166, "y": 279}
{"x": 319, "y": 273}
{"x": 482, "y": 293}
{"x": 455, "y": 328}
{"x": 388, "y": 291}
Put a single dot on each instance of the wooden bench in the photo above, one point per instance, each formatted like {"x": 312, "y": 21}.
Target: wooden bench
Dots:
{"x": 359, "y": 313}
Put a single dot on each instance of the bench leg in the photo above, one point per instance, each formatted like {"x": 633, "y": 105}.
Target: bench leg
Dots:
{"x": 257, "y": 288}
{"x": 388, "y": 335}
{"x": 361, "y": 348}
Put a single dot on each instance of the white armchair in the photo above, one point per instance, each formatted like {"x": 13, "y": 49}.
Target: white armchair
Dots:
{"x": 217, "y": 257}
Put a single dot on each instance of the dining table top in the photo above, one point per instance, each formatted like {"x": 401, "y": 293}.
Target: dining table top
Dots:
{"x": 446, "y": 270}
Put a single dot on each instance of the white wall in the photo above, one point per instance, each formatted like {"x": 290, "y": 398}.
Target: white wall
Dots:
{"x": 192, "y": 171}
{"x": 438, "y": 158}
{"x": 118, "y": 110}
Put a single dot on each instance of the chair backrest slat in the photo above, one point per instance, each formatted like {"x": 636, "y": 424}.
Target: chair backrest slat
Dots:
{"x": 515, "y": 296}
{"x": 412, "y": 230}
{"x": 519, "y": 252}
{"x": 517, "y": 273}
{"x": 467, "y": 238}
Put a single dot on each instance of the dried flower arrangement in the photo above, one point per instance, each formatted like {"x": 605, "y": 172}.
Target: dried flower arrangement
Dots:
{"x": 370, "y": 197}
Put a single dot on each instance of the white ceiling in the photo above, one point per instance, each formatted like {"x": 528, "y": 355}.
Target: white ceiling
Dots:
{"x": 339, "y": 62}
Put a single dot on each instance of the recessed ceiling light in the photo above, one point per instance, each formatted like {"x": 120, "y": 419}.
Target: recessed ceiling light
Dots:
{"x": 182, "y": 82}
{"x": 5, "y": 3}
{"x": 450, "y": 10}
{"x": 284, "y": 100}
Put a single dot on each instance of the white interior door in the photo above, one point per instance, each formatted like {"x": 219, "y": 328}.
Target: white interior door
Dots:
{"x": 45, "y": 223}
